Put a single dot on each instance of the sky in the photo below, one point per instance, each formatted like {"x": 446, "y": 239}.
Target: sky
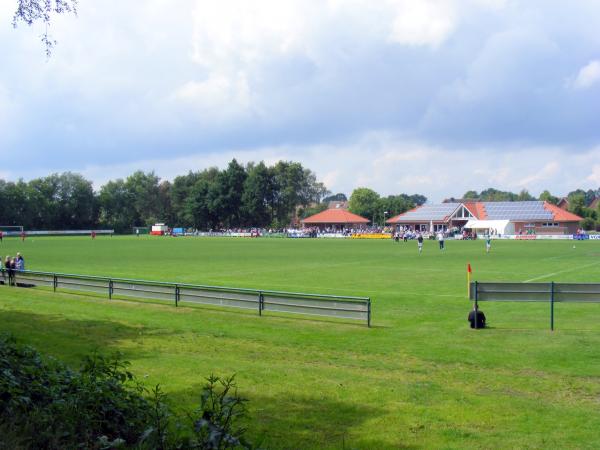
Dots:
{"x": 435, "y": 97}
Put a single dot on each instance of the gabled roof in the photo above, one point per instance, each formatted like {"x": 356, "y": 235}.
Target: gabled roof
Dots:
{"x": 560, "y": 215}
{"x": 335, "y": 216}
{"x": 563, "y": 203}
{"x": 477, "y": 209}
{"x": 525, "y": 211}
{"x": 427, "y": 213}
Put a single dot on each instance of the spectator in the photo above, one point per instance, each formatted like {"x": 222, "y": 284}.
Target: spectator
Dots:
{"x": 9, "y": 266}
{"x": 476, "y": 318}
{"x": 19, "y": 263}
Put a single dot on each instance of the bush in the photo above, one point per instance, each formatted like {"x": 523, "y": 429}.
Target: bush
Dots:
{"x": 44, "y": 404}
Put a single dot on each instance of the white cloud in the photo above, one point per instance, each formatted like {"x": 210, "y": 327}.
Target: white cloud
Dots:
{"x": 545, "y": 174}
{"x": 425, "y": 22}
{"x": 219, "y": 96}
{"x": 588, "y": 75}
{"x": 594, "y": 177}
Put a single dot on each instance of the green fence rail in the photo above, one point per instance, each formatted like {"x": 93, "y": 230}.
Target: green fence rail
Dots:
{"x": 535, "y": 292}
{"x": 343, "y": 307}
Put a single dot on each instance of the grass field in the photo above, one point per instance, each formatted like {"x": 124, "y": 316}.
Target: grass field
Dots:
{"x": 419, "y": 378}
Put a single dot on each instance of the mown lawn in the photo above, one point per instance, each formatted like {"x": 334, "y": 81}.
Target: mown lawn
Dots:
{"x": 418, "y": 378}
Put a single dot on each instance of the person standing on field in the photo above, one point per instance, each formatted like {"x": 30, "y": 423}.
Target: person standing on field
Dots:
{"x": 441, "y": 240}
{"x": 10, "y": 270}
{"x": 420, "y": 243}
{"x": 488, "y": 244}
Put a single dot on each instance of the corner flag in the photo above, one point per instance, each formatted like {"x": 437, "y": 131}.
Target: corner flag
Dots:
{"x": 469, "y": 271}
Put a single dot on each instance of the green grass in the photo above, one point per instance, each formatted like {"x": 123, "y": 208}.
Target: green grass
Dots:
{"x": 419, "y": 378}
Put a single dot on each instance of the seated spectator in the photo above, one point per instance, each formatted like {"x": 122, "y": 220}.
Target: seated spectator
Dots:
{"x": 476, "y": 313}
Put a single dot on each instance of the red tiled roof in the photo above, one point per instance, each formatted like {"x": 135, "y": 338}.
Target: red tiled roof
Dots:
{"x": 477, "y": 209}
{"x": 335, "y": 216}
{"x": 560, "y": 215}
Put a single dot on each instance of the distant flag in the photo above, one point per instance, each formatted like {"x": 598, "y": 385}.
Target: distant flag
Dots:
{"x": 469, "y": 268}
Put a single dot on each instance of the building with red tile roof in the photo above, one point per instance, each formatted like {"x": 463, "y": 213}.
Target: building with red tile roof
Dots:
{"x": 524, "y": 217}
{"x": 335, "y": 218}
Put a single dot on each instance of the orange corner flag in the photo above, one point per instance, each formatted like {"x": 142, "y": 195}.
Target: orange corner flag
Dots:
{"x": 469, "y": 271}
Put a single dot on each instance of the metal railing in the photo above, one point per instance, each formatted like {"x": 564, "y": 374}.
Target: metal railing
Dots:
{"x": 343, "y": 307}
{"x": 535, "y": 292}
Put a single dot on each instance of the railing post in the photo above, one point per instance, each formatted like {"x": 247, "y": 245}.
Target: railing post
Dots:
{"x": 552, "y": 306}
{"x": 476, "y": 304}
{"x": 176, "y": 296}
{"x": 261, "y": 301}
{"x": 110, "y": 289}
{"x": 54, "y": 282}
{"x": 369, "y": 312}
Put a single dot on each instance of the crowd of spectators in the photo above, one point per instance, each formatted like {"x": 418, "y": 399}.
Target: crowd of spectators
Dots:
{"x": 10, "y": 267}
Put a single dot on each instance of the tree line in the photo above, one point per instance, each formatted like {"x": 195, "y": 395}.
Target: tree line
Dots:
{"x": 254, "y": 195}
{"x": 251, "y": 195}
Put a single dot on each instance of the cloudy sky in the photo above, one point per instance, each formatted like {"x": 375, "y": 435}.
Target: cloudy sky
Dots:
{"x": 419, "y": 96}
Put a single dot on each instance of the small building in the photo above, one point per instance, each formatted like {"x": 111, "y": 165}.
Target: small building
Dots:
{"x": 336, "y": 219}
{"x": 433, "y": 218}
{"x": 159, "y": 229}
{"x": 531, "y": 217}
{"x": 563, "y": 203}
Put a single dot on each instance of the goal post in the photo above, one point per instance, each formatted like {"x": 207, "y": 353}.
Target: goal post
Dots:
{"x": 140, "y": 230}
{"x": 11, "y": 230}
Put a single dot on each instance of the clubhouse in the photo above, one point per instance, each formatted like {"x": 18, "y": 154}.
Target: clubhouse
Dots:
{"x": 530, "y": 217}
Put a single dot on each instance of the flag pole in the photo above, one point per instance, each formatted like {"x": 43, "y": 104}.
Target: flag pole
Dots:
{"x": 468, "y": 279}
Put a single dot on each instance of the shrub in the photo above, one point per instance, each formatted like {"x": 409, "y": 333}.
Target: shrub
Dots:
{"x": 45, "y": 404}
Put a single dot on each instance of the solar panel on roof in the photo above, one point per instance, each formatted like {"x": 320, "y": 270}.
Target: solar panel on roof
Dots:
{"x": 517, "y": 211}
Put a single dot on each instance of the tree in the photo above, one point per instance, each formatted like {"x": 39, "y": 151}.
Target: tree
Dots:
{"x": 471, "y": 195}
{"x": 303, "y": 213}
{"x": 165, "y": 206}
{"x": 116, "y": 211}
{"x": 364, "y": 202}
{"x": 30, "y": 11}
{"x": 577, "y": 203}
{"x": 257, "y": 196}
{"x": 77, "y": 202}
{"x": 15, "y": 208}
{"x": 525, "y": 196}
{"x": 197, "y": 209}
{"x": 336, "y": 198}
{"x": 546, "y": 196}
{"x": 416, "y": 199}
{"x": 225, "y": 195}
{"x": 494, "y": 195}
{"x": 144, "y": 192}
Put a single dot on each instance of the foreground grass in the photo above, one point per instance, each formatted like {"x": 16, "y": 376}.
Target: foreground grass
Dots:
{"x": 418, "y": 378}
